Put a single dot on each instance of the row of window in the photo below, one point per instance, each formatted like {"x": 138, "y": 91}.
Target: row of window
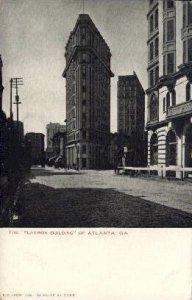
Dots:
{"x": 169, "y": 100}
{"x": 171, "y": 148}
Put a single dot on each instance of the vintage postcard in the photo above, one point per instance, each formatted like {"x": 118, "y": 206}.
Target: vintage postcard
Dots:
{"x": 95, "y": 149}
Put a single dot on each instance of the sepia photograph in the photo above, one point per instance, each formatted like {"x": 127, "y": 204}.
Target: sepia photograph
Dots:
{"x": 95, "y": 114}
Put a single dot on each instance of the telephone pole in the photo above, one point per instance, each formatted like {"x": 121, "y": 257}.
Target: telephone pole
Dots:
{"x": 15, "y": 83}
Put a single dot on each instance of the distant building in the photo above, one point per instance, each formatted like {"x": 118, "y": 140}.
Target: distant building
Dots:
{"x": 87, "y": 76}
{"x": 59, "y": 145}
{"x": 131, "y": 115}
{"x": 36, "y": 141}
{"x": 18, "y": 130}
{"x": 169, "y": 95}
{"x": 52, "y": 129}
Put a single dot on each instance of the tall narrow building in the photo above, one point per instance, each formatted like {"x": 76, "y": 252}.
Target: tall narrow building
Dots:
{"x": 169, "y": 95}
{"x": 87, "y": 74}
{"x": 130, "y": 105}
{"x": 131, "y": 115}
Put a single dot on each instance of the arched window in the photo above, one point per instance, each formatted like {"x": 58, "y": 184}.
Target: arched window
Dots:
{"x": 188, "y": 91}
{"x": 168, "y": 100}
{"x": 188, "y": 147}
{"x": 154, "y": 149}
{"x": 173, "y": 98}
{"x": 171, "y": 149}
{"x": 153, "y": 108}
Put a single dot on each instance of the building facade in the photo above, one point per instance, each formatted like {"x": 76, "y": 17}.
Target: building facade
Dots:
{"x": 87, "y": 76}
{"x": 36, "y": 141}
{"x": 169, "y": 96}
{"x": 131, "y": 117}
{"x": 52, "y": 129}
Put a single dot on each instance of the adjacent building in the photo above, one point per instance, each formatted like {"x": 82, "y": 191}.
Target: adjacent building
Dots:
{"x": 88, "y": 75}
{"x": 131, "y": 117}
{"x": 36, "y": 142}
{"x": 52, "y": 130}
{"x": 169, "y": 95}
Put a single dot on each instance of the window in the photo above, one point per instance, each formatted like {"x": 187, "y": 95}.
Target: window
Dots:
{"x": 164, "y": 105}
{"x": 168, "y": 100}
{"x": 156, "y": 18}
{"x": 190, "y": 50}
{"x": 171, "y": 149}
{"x": 153, "y": 108}
{"x": 84, "y": 57}
{"x": 84, "y": 95}
{"x": 184, "y": 15}
{"x": 184, "y": 51}
{"x": 151, "y": 23}
{"x": 189, "y": 13}
{"x": 170, "y": 63}
{"x": 151, "y": 78}
{"x": 170, "y": 30}
{"x": 173, "y": 98}
{"x": 84, "y": 134}
{"x": 170, "y": 3}
{"x": 156, "y": 74}
{"x": 154, "y": 149}
{"x": 164, "y": 62}
{"x": 84, "y": 149}
{"x": 151, "y": 51}
{"x": 156, "y": 47}
{"x": 84, "y": 162}
{"x": 163, "y": 32}
{"x": 188, "y": 92}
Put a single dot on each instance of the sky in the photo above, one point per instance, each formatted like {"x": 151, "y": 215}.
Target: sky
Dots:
{"x": 33, "y": 35}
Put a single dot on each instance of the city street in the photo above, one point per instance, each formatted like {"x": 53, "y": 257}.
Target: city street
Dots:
{"x": 59, "y": 198}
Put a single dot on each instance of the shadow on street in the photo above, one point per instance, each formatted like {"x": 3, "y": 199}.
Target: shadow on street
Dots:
{"x": 44, "y": 206}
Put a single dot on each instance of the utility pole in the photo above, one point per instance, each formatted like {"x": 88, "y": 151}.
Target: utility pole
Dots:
{"x": 11, "y": 109}
{"x": 83, "y": 6}
{"x": 15, "y": 83}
